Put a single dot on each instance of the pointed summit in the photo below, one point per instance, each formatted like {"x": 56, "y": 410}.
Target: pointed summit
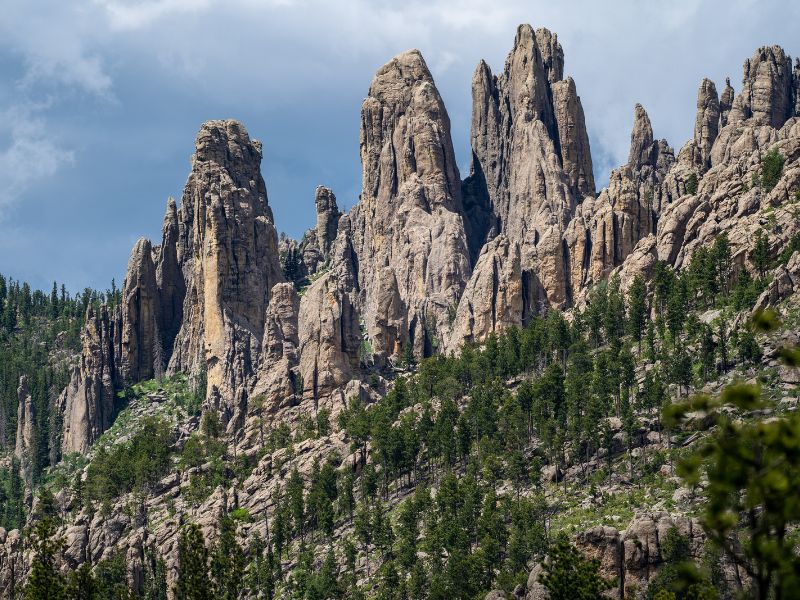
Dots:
{"x": 706, "y": 125}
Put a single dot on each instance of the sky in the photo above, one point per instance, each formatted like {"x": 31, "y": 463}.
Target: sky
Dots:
{"x": 100, "y": 100}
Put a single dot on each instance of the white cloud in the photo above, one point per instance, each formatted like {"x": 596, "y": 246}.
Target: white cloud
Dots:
{"x": 30, "y": 155}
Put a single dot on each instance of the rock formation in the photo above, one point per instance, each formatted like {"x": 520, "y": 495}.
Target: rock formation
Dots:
{"x": 707, "y": 123}
{"x": 278, "y": 379}
{"x": 327, "y": 219}
{"x": 26, "y": 430}
{"x": 531, "y": 166}
{"x": 424, "y": 261}
{"x": 141, "y": 352}
{"x": 573, "y": 138}
{"x": 767, "y": 89}
{"x": 169, "y": 279}
{"x": 228, "y": 249}
{"x": 725, "y": 102}
{"x": 409, "y": 218}
{"x": 330, "y": 336}
{"x": 87, "y": 403}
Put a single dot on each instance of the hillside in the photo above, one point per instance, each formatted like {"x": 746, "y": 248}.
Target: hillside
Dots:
{"x": 421, "y": 396}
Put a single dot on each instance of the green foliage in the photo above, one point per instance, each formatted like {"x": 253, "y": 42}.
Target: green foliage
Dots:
{"x": 45, "y": 581}
{"x": 193, "y": 582}
{"x": 135, "y": 464}
{"x": 570, "y": 576}
{"x": 227, "y": 561}
{"x": 679, "y": 578}
{"x": 691, "y": 184}
{"x": 771, "y": 169}
{"x": 753, "y": 472}
{"x": 759, "y": 255}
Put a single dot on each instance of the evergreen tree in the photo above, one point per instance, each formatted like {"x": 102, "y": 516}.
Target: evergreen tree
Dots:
{"x": 759, "y": 255}
{"x": 82, "y": 585}
{"x": 570, "y": 576}
{"x": 193, "y": 578}
{"x": 45, "y": 581}
{"x": 637, "y": 309}
{"x": 227, "y": 561}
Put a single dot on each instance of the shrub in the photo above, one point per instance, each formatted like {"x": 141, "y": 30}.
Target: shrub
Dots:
{"x": 771, "y": 169}
{"x": 691, "y": 184}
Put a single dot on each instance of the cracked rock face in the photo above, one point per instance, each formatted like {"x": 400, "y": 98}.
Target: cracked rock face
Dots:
{"x": 278, "y": 378}
{"x": 327, "y": 219}
{"x": 767, "y": 89}
{"x": 141, "y": 345}
{"x": 228, "y": 249}
{"x": 409, "y": 218}
{"x": 26, "y": 430}
{"x": 707, "y": 123}
{"x": 330, "y": 335}
{"x": 531, "y": 155}
{"x": 88, "y": 400}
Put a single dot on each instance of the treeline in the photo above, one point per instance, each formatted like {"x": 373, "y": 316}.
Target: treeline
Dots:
{"x": 39, "y": 332}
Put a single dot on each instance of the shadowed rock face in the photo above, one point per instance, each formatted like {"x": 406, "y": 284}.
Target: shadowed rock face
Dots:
{"x": 329, "y": 332}
{"x": 327, "y": 219}
{"x": 409, "y": 219}
{"x": 88, "y": 401}
{"x": 141, "y": 345}
{"x": 228, "y": 251}
{"x": 531, "y": 166}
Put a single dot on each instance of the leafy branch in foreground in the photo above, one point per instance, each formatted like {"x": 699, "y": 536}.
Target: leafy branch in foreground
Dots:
{"x": 750, "y": 469}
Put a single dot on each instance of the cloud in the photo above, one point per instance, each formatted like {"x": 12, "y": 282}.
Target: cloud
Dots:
{"x": 30, "y": 154}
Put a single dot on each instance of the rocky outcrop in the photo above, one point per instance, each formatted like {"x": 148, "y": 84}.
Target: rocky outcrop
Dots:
{"x": 785, "y": 282}
{"x": 531, "y": 165}
{"x": 12, "y": 563}
{"x": 606, "y": 230}
{"x": 409, "y": 219}
{"x": 707, "y": 122}
{"x": 278, "y": 377}
{"x": 725, "y": 103}
{"x": 228, "y": 249}
{"x": 576, "y": 156}
{"x": 169, "y": 279}
{"x": 141, "y": 351}
{"x": 767, "y": 89}
{"x": 634, "y": 556}
{"x": 25, "y": 447}
{"x": 330, "y": 335}
{"x": 496, "y": 283}
{"x": 327, "y": 219}
{"x": 87, "y": 404}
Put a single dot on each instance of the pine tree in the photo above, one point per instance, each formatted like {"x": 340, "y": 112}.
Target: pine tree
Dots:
{"x": 637, "y": 309}
{"x": 82, "y": 584}
{"x": 759, "y": 256}
{"x": 193, "y": 580}
{"x": 45, "y": 582}
{"x": 570, "y": 576}
{"x": 54, "y": 308}
{"x": 227, "y": 561}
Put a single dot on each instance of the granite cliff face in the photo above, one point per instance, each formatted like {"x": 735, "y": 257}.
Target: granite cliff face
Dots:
{"x": 424, "y": 261}
{"x": 228, "y": 251}
{"x": 531, "y": 167}
{"x": 408, "y": 230}
{"x": 87, "y": 403}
